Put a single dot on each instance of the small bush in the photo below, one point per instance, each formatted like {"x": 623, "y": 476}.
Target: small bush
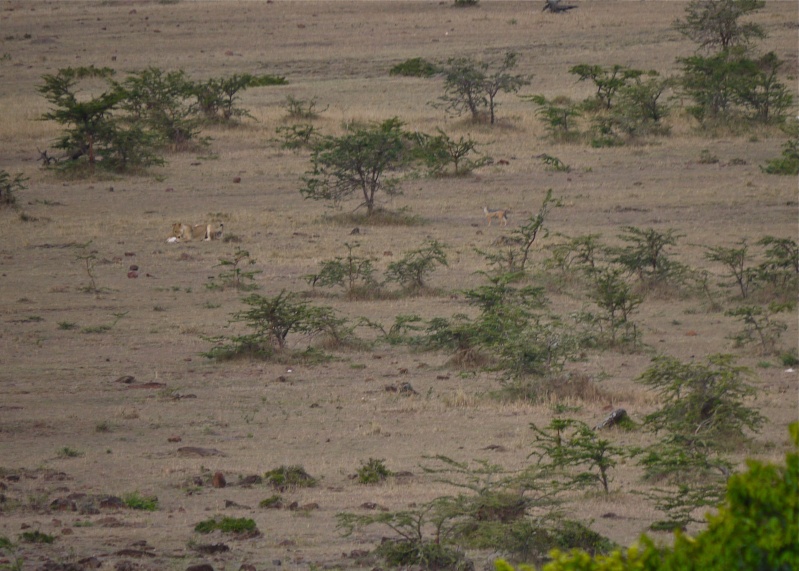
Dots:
{"x": 227, "y": 525}
{"x": 429, "y": 555}
{"x": 289, "y": 477}
{"x": 36, "y": 537}
{"x": 136, "y": 501}
{"x": 414, "y": 67}
{"x": 373, "y": 472}
{"x": 272, "y": 502}
{"x": 8, "y": 186}
{"x": 67, "y": 452}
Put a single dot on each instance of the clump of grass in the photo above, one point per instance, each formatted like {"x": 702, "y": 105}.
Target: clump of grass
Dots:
{"x": 414, "y": 67}
{"x": 136, "y": 501}
{"x": 67, "y": 452}
{"x": 36, "y": 537}
{"x": 67, "y": 325}
{"x": 373, "y": 472}
{"x": 379, "y": 217}
{"x": 288, "y": 477}
{"x": 272, "y": 502}
{"x": 103, "y": 426}
{"x": 227, "y": 525}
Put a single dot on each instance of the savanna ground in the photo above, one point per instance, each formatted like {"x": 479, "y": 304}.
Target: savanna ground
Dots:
{"x": 68, "y": 427}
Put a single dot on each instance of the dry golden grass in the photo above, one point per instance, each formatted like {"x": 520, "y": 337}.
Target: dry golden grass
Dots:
{"x": 57, "y": 384}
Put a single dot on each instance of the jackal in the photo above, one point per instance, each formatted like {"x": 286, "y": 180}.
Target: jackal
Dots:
{"x": 501, "y": 215}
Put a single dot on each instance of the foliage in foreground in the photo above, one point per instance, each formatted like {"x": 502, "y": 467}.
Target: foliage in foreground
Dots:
{"x": 755, "y": 528}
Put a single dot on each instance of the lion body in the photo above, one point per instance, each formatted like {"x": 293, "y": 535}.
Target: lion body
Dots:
{"x": 188, "y": 232}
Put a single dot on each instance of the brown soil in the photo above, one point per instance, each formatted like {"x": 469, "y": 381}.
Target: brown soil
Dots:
{"x": 181, "y": 418}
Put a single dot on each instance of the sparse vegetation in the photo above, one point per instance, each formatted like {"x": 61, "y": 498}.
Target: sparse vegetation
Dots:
{"x": 136, "y": 501}
{"x": 9, "y": 187}
{"x": 289, "y": 478}
{"x": 238, "y": 526}
{"x": 373, "y": 471}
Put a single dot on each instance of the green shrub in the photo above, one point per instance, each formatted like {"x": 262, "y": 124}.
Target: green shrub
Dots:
{"x": 9, "y": 186}
{"x": 136, "y": 501}
{"x": 415, "y": 67}
{"x": 754, "y": 528}
{"x": 373, "y": 472}
{"x": 353, "y": 273}
{"x": 272, "y": 320}
{"x": 415, "y": 267}
{"x": 227, "y": 525}
{"x": 36, "y": 537}
{"x": 289, "y": 477}
{"x": 275, "y": 501}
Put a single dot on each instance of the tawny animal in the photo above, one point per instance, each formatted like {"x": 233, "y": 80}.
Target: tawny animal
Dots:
{"x": 188, "y": 232}
{"x": 501, "y": 215}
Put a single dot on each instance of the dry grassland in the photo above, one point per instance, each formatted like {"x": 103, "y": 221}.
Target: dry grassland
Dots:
{"x": 57, "y": 386}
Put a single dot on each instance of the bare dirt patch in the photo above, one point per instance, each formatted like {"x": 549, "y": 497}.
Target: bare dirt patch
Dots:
{"x": 71, "y": 433}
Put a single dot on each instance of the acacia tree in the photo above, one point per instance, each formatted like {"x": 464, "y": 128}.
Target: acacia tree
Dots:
{"x": 716, "y": 23}
{"x": 357, "y": 163}
{"x": 89, "y": 123}
{"x": 473, "y": 86}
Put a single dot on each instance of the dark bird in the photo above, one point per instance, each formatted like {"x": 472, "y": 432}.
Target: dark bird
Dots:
{"x": 556, "y": 7}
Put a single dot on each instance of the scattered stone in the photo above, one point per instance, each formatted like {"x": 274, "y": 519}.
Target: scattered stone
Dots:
{"x": 197, "y": 452}
{"x": 407, "y": 389}
{"x": 309, "y": 507}
{"x": 218, "y": 481}
{"x": 373, "y": 506}
{"x": 147, "y": 386}
{"x": 211, "y": 548}
{"x": 112, "y": 502}
{"x": 125, "y": 565}
{"x": 355, "y": 231}
{"x": 130, "y": 254}
{"x": 129, "y": 552}
{"x": 90, "y": 563}
{"x": 134, "y": 268}
{"x": 174, "y": 439}
{"x": 133, "y": 275}
{"x": 232, "y": 504}
{"x": 251, "y": 480}
{"x": 63, "y": 504}
{"x": 496, "y": 448}
{"x": 237, "y": 179}
{"x": 126, "y": 379}
{"x": 247, "y": 567}
{"x": 200, "y": 567}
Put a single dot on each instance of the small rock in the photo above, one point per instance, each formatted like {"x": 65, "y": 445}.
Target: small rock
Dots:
{"x": 174, "y": 439}
{"x": 237, "y": 179}
{"x": 111, "y": 502}
{"x": 212, "y": 548}
{"x": 134, "y": 268}
{"x": 251, "y": 480}
{"x": 133, "y": 275}
{"x": 247, "y": 567}
{"x": 218, "y": 480}
{"x": 196, "y": 452}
